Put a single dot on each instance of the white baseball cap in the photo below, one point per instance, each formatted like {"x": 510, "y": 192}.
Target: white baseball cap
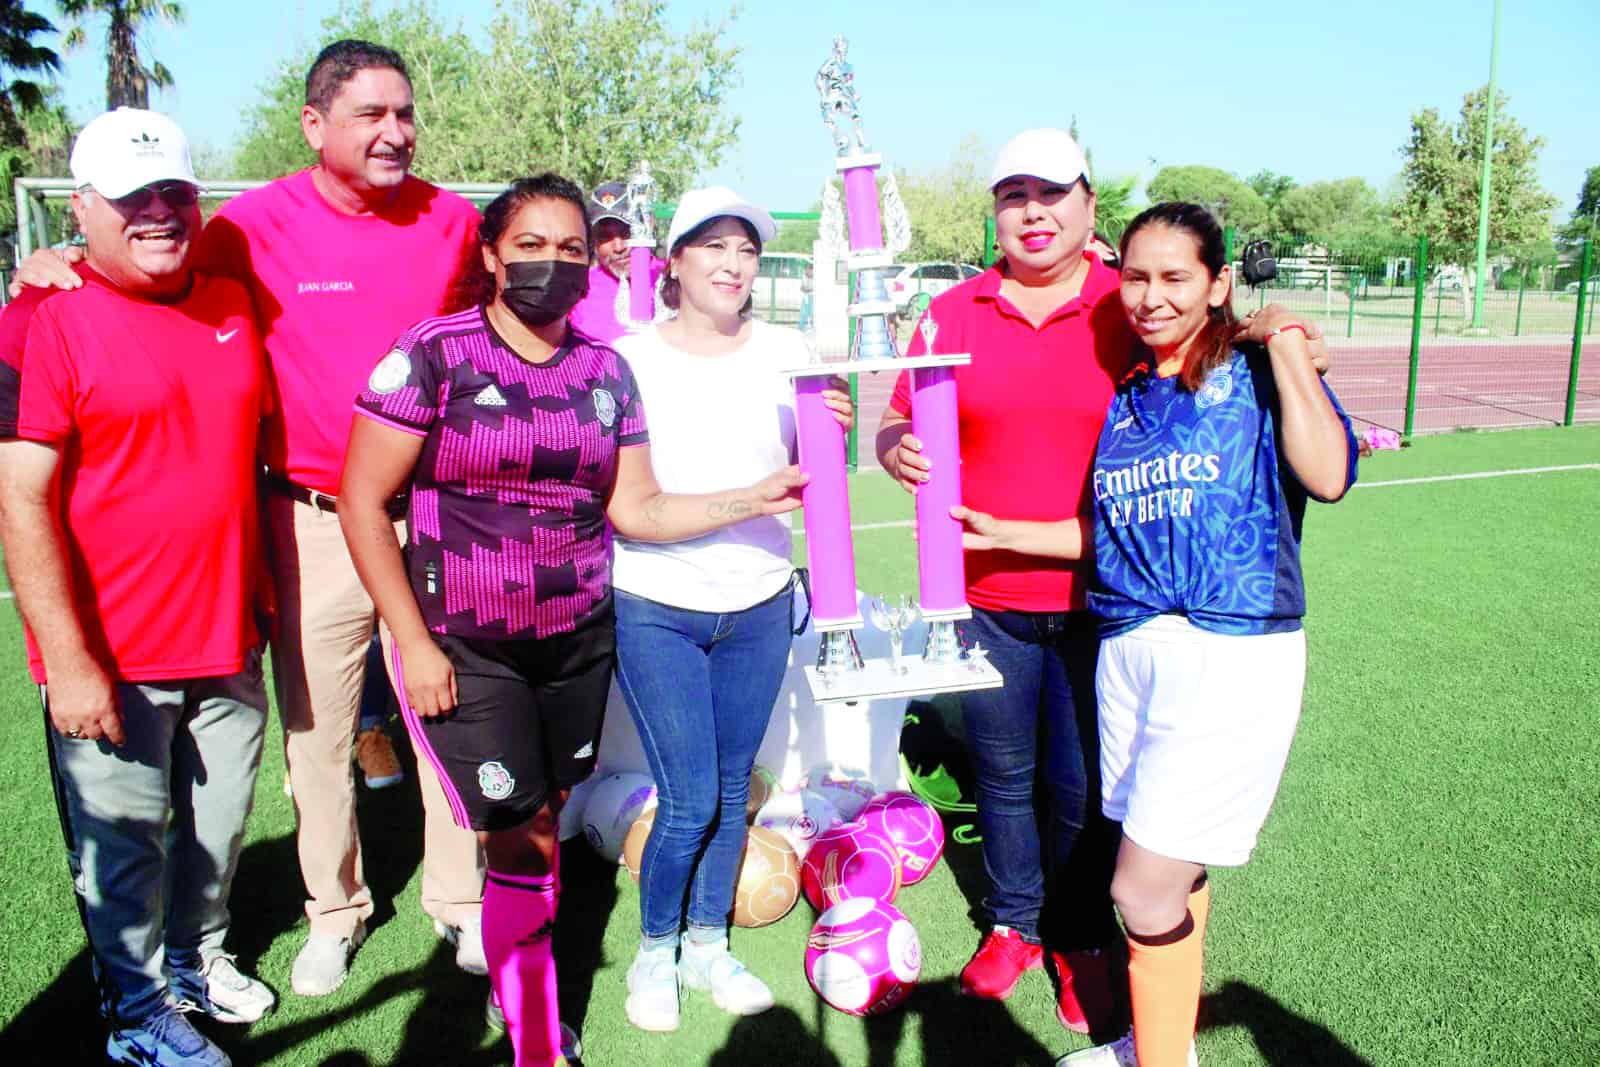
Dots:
{"x": 1043, "y": 153}
{"x": 127, "y": 149}
{"x": 698, "y": 205}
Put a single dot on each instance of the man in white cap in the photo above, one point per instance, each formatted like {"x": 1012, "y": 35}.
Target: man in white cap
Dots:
{"x": 129, "y": 522}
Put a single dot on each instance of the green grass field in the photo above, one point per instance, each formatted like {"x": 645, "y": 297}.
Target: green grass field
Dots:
{"x": 1424, "y": 893}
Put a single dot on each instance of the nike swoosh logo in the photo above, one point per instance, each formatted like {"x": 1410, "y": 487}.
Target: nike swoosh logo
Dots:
{"x": 224, "y": 338}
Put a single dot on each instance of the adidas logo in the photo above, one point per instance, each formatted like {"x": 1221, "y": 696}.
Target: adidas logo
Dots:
{"x": 490, "y": 398}
{"x": 585, "y": 752}
{"x": 547, "y": 928}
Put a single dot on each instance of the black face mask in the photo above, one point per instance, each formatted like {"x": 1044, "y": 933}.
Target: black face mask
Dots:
{"x": 540, "y": 291}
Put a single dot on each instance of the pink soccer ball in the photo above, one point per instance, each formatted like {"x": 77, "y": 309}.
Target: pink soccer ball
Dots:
{"x": 863, "y": 957}
{"x": 849, "y": 861}
{"x": 912, "y": 826}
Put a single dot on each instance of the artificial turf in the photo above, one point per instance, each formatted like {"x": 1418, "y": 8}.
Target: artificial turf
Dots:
{"x": 1424, "y": 892}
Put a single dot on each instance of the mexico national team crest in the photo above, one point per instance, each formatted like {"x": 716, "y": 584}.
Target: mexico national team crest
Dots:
{"x": 1218, "y": 387}
{"x": 495, "y": 781}
{"x": 390, "y": 373}
{"x": 605, "y": 407}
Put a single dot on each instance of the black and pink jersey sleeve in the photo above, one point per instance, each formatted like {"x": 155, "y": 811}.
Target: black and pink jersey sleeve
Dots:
{"x": 507, "y": 528}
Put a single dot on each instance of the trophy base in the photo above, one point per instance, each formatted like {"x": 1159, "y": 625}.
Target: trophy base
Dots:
{"x": 870, "y": 307}
{"x": 858, "y": 159}
{"x": 641, "y": 242}
{"x": 879, "y": 680}
{"x": 873, "y": 366}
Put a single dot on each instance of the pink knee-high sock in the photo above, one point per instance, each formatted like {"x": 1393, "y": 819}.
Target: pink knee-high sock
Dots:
{"x": 519, "y": 917}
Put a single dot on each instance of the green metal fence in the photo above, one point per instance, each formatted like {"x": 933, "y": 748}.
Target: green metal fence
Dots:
{"x": 1398, "y": 318}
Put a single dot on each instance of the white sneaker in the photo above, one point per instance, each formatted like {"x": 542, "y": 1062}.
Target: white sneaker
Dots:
{"x": 495, "y": 1020}
{"x": 324, "y": 962}
{"x": 733, "y": 988}
{"x": 1119, "y": 1053}
{"x": 230, "y": 995}
{"x": 652, "y": 1002}
{"x": 467, "y": 937}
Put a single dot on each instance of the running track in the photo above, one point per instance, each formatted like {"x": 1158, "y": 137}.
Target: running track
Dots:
{"x": 1484, "y": 385}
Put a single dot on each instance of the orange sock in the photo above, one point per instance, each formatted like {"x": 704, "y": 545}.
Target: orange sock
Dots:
{"x": 1164, "y": 981}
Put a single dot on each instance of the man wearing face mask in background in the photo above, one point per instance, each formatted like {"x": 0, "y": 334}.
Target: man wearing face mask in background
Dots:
{"x": 596, "y": 314}
{"x": 339, "y": 259}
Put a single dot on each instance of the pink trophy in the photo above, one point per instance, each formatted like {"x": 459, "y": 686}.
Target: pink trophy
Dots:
{"x": 841, "y": 674}
{"x": 638, "y": 207}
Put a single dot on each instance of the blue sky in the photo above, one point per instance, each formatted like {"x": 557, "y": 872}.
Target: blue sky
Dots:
{"x": 1313, "y": 91}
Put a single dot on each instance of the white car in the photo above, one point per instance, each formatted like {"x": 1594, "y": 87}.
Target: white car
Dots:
{"x": 930, "y": 278}
{"x": 1594, "y": 287}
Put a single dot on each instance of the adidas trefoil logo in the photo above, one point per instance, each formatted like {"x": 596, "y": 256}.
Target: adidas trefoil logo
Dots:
{"x": 490, "y": 398}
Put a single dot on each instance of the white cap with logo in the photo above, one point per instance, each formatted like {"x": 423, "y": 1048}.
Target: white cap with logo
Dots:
{"x": 698, "y": 205}
{"x": 129, "y": 148}
{"x": 1049, "y": 154}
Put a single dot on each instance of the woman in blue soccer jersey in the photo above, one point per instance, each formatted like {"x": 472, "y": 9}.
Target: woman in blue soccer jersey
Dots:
{"x": 523, "y": 445}
{"x": 1200, "y": 480}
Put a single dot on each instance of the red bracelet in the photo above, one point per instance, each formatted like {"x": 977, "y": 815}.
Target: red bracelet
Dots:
{"x": 1285, "y": 328}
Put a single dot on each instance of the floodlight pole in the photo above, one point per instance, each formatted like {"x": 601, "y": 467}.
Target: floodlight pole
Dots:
{"x": 1483, "y": 188}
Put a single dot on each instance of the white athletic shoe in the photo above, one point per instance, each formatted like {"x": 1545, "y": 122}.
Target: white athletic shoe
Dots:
{"x": 733, "y": 988}
{"x": 324, "y": 962}
{"x": 224, "y": 992}
{"x": 652, "y": 1002}
{"x": 1119, "y": 1053}
{"x": 467, "y": 937}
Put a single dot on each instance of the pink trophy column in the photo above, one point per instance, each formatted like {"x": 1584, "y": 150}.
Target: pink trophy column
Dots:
{"x": 641, "y": 294}
{"x": 941, "y": 568}
{"x": 826, "y": 497}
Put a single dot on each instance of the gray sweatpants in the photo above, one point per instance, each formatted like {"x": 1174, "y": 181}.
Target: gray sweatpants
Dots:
{"x": 154, "y": 827}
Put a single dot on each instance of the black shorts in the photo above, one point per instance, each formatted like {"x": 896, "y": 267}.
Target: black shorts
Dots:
{"x": 526, "y": 722}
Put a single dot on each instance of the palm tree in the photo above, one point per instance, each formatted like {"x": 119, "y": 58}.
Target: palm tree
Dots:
{"x": 19, "y": 55}
{"x": 128, "y": 80}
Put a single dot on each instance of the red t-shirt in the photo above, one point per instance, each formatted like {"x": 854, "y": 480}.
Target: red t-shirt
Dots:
{"x": 1031, "y": 404}
{"x": 156, "y": 409}
{"x": 332, "y": 292}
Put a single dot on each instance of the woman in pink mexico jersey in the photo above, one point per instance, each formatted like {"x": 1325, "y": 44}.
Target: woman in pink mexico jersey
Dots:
{"x": 520, "y": 440}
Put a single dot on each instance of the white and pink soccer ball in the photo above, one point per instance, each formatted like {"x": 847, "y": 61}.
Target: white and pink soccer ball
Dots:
{"x": 849, "y": 861}
{"x": 912, "y": 826}
{"x": 611, "y": 808}
{"x": 847, "y": 790}
{"x": 798, "y": 816}
{"x": 863, "y": 956}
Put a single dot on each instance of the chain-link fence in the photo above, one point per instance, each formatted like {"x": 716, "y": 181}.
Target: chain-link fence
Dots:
{"x": 1413, "y": 352}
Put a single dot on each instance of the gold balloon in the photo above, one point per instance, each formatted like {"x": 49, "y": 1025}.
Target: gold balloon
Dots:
{"x": 769, "y": 879}
{"x": 762, "y": 784}
{"x": 633, "y": 844}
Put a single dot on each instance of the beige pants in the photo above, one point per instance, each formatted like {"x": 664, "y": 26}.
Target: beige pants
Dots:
{"x": 325, "y": 622}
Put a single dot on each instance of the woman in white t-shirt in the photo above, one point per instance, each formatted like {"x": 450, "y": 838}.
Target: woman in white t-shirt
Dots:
{"x": 703, "y": 626}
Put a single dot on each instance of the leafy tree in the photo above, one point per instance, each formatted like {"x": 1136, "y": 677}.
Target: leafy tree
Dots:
{"x": 21, "y": 60}
{"x": 586, "y": 88}
{"x": 1231, "y": 200}
{"x": 1271, "y": 187}
{"x": 1330, "y": 209}
{"x": 1584, "y": 217}
{"x": 128, "y": 79}
{"x": 44, "y": 133}
{"x": 1443, "y": 168}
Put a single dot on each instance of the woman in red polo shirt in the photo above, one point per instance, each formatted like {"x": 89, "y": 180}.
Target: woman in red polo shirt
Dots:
{"x": 1048, "y": 343}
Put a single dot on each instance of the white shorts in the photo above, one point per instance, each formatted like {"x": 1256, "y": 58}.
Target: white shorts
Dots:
{"x": 1195, "y": 728}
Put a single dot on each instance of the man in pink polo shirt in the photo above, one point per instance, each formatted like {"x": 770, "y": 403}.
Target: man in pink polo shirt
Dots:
{"x": 596, "y": 313}
{"x": 339, "y": 261}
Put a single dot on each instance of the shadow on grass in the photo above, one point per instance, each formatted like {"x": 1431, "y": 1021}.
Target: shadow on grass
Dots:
{"x": 954, "y": 1029}
{"x": 590, "y": 884}
{"x": 1283, "y": 1038}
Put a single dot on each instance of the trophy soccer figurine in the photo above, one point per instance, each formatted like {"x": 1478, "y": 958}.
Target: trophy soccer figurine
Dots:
{"x": 636, "y": 298}
{"x": 944, "y": 666}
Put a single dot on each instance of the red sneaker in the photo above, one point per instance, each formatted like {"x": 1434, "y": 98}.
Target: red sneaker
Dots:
{"x": 1083, "y": 990}
{"x": 999, "y": 964}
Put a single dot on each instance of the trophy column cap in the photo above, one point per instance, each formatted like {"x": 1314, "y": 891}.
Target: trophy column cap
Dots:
{"x": 857, "y": 160}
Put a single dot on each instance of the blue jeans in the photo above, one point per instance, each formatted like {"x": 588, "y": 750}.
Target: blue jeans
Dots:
{"x": 700, "y": 686}
{"x": 153, "y": 828}
{"x": 1036, "y": 753}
